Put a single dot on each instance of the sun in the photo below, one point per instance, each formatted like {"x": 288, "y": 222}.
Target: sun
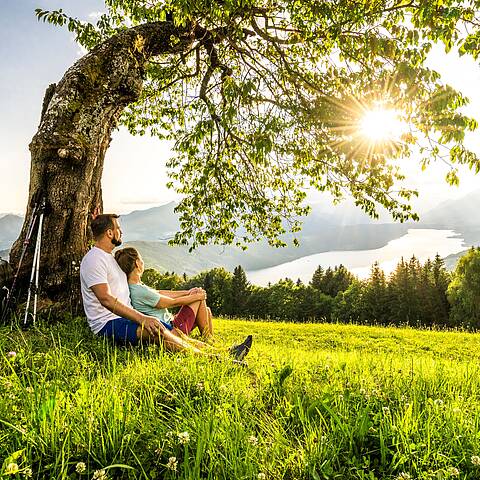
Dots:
{"x": 381, "y": 125}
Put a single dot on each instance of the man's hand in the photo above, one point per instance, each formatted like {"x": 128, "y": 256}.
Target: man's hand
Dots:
{"x": 151, "y": 325}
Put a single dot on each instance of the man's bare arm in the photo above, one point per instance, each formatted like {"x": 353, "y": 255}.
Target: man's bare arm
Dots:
{"x": 105, "y": 297}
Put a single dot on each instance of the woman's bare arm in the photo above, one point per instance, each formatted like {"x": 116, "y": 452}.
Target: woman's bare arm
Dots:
{"x": 168, "y": 302}
{"x": 178, "y": 293}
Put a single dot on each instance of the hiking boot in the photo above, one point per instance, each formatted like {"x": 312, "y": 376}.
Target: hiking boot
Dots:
{"x": 239, "y": 352}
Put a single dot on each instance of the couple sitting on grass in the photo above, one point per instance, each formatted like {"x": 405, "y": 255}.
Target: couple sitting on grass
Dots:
{"x": 118, "y": 305}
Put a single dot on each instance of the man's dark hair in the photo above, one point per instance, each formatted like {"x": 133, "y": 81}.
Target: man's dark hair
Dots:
{"x": 102, "y": 223}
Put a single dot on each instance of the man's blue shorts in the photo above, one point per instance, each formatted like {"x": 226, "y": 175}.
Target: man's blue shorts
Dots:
{"x": 121, "y": 330}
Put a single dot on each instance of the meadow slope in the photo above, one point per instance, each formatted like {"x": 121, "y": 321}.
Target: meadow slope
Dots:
{"x": 315, "y": 402}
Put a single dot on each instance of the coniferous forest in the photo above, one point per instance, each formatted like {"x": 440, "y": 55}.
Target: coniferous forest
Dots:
{"x": 415, "y": 294}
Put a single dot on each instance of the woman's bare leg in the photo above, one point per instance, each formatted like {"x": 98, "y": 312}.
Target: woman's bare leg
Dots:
{"x": 210, "y": 323}
{"x": 202, "y": 318}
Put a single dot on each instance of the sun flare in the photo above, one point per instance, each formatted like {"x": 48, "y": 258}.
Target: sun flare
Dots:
{"x": 381, "y": 124}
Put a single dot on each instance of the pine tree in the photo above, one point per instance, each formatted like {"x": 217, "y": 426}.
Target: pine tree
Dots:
{"x": 240, "y": 293}
{"x": 399, "y": 294}
{"x": 375, "y": 307}
{"x": 317, "y": 278}
{"x": 441, "y": 280}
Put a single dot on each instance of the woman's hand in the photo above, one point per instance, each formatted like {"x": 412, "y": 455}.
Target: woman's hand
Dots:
{"x": 200, "y": 295}
{"x": 196, "y": 290}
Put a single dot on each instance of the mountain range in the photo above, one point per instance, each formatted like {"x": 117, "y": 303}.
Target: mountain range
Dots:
{"x": 341, "y": 227}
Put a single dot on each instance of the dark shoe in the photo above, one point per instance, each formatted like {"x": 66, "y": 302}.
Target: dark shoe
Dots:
{"x": 239, "y": 352}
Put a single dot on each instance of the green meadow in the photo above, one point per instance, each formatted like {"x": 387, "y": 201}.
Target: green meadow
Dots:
{"x": 316, "y": 401}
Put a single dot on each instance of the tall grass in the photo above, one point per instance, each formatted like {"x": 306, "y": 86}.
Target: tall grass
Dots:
{"x": 316, "y": 402}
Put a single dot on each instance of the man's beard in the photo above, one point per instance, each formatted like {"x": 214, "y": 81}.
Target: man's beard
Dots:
{"x": 116, "y": 241}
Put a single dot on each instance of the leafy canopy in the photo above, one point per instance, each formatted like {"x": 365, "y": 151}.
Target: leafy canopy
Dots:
{"x": 266, "y": 101}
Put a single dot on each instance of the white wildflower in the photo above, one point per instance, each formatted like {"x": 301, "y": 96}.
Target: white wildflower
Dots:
{"x": 404, "y": 476}
{"x": 438, "y": 402}
{"x": 169, "y": 397}
{"x": 27, "y": 472}
{"x": 11, "y": 355}
{"x": 12, "y": 469}
{"x": 184, "y": 437}
{"x": 453, "y": 471}
{"x": 200, "y": 386}
{"x": 475, "y": 459}
{"x": 172, "y": 463}
{"x": 261, "y": 476}
{"x": 81, "y": 467}
{"x": 100, "y": 475}
{"x": 253, "y": 440}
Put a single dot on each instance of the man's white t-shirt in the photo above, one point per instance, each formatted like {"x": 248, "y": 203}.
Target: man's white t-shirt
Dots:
{"x": 98, "y": 267}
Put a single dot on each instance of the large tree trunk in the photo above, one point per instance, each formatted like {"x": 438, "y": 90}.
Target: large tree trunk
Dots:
{"x": 69, "y": 148}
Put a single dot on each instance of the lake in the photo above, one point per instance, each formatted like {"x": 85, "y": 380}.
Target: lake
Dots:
{"x": 423, "y": 243}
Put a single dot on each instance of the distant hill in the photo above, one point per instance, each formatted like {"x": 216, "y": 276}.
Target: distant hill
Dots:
{"x": 163, "y": 257}
{"x": 461, "y": 212}
{"x": 451, "y": 260}
{"x": 328, "y": 227}
{"x": 157, "y": 224}
{"x": 10, "y": 226}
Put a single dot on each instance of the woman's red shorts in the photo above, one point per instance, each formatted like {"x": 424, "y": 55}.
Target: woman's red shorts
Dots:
{"x": 184, "y": 320}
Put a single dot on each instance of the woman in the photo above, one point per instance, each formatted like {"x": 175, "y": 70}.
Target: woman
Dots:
{"x": 194, "y": 311}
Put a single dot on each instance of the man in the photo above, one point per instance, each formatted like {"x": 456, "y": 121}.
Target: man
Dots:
{"x": 106, "y": 297}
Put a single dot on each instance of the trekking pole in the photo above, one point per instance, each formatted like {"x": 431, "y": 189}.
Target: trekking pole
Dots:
{"x": 35, "y": 269}
{"x": 37, "y": 263}
{"x": 26, "y": 243}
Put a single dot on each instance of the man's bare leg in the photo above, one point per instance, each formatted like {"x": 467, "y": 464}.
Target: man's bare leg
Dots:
{"x": 190, "y": 340}
{"x": 169, "y": 340}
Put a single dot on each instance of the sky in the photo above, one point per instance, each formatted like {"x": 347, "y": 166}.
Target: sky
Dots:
{"x": 34, "y": 54}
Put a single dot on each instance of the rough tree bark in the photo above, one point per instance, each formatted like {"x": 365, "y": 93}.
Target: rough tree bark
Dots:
{"x": 68, "y": 150}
